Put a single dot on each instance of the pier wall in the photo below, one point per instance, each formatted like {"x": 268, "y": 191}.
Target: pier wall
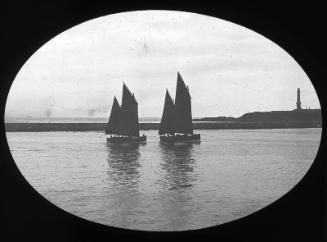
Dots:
{"x": 78, "y": 127}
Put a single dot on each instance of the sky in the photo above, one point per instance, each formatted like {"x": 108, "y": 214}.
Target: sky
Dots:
{"x": 230, "y": 70}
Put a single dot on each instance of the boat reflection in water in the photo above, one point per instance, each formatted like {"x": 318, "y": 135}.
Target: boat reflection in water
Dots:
{"x": 123, "y": 164}
{"x": 166, "y": 203}
{"x": 179, "y": 166}
{"x": 177, "y": 185}
{"x": 122, "y": 184}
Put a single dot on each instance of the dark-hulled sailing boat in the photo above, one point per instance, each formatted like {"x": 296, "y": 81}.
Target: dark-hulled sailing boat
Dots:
{"x": 176, "y": 122}
{"x": 123, "y": 124}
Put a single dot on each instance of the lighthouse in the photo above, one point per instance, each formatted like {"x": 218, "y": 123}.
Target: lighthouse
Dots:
{"x": 298, "y": 102}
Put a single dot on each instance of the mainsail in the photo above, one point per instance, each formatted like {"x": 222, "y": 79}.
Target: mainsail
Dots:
{"x": 183, "y": 113}
{"x": 128, "y": 119}
{"x": 112, "y": 125}
{"x": 167, "y": 124}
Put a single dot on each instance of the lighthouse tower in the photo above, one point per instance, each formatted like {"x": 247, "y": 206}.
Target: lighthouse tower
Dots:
{"x": 298, "y": 102}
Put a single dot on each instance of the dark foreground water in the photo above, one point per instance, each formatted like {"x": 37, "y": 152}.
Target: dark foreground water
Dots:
{"x": 230, "y": 174}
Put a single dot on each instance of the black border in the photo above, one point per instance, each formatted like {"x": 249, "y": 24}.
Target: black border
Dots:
{"x": 297, "y": 27}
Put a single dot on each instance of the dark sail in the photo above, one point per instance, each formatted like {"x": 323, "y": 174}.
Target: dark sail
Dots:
{"x": 183, "y": 108}
{"x": 112, "y": 125}
{"x": 128, "y": 118}
{"x": 167, "y": 124}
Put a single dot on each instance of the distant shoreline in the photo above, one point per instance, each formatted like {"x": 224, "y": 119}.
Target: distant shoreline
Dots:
{"x": 79, "y": 127}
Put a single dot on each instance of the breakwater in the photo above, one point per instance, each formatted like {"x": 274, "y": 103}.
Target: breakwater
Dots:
{"x": 78, "y": 127}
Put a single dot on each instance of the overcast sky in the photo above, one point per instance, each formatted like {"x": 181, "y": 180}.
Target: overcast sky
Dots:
{"x": 230, "y": 70}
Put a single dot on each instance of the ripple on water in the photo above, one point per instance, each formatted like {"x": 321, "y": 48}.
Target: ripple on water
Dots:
{"x": 228, "y": 175}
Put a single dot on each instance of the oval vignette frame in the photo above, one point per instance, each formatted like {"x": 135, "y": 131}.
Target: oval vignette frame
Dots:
{"x": 271, "y": 204}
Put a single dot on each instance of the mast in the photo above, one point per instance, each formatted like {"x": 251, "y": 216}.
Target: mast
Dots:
{"x": 128, "y": 118}
{"x": 112, "y": 125}
{"x": 167, "y": 125}
{"x": 183, "y": 117}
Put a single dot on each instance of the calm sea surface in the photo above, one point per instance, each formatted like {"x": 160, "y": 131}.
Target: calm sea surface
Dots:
{"x": 230, "y": 174}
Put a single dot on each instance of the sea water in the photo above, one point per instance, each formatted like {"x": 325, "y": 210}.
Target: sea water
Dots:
{"x": 230, "y": 174}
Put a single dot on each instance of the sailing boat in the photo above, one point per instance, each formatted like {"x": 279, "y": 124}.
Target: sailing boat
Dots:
{"x": 176, "y": 122}
{"x": 123, "y": 124}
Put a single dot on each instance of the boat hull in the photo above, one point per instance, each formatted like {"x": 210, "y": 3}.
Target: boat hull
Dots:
{"x": 180, "y": 138}
{"x": 126, "y": 140}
